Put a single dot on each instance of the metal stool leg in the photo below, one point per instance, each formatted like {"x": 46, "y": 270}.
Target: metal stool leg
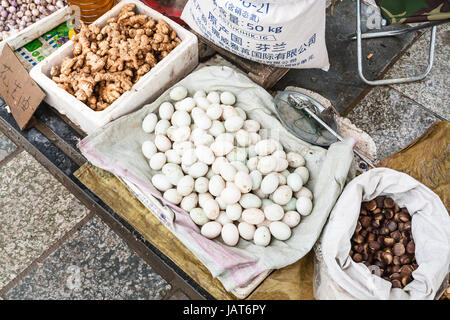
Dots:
{"x": 386, "y": 34}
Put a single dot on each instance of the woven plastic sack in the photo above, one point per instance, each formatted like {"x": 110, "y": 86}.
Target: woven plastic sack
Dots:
{"x": 281, "y": 33}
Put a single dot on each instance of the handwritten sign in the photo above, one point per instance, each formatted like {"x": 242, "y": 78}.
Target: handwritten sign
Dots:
{"x": 19, "y": 91}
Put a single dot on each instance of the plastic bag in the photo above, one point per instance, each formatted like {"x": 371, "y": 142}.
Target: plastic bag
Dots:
{"x": 337, "y": 276}
{"x": 281, "y": 33}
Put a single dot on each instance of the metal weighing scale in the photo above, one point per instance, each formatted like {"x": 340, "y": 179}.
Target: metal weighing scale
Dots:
{"x": 309, "y": 120}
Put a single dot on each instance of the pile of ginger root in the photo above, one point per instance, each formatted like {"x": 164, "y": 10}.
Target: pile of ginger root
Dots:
{"x": 107, "y": 61}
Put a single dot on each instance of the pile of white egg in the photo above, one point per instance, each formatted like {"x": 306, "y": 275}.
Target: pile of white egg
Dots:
{"x": 213, "y": 162}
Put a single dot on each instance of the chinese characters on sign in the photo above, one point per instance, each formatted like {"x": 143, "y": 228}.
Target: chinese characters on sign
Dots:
{"x": 18, "y": 90}
{"x": 246, "y": 29}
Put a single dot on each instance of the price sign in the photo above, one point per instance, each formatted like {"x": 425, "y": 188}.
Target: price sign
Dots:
{"x": 19, "y": 91}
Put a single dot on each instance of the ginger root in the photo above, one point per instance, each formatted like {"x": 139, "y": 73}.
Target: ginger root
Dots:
{"x": 107, "y": 61}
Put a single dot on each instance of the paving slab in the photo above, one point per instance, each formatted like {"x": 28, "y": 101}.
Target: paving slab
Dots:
{"x": 95, "y": 264}
{"x": 35, "y": 211}
{"x": 391, "y": 119}
{"x": 434, "y": 91}
{"x": 6, "y": 146}
{"x": 341, "y": 84}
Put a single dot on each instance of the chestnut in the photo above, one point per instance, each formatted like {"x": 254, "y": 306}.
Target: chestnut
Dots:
{"x": 388, "y": 242}
{"x": 387, "y": 258}
{"x": 357, "y": 257}
{"x": 392, "y": 226}
{"x": 371, "y": 205}
{"x": 388, "y": 203}
{"x": 398, "y": 249}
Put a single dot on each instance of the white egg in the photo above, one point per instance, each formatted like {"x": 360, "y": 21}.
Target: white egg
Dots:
{"x": 216, "y": 128}
{"x": 170, "y": 131}
{"x": 201, "y": 185}
{"x": 228, "y": 112}
{"x": 223, "y": 218}
{"x": 203, "y": 197}
{"x": 281, "y": 164}
{"x": 221, "y": 148}
{"x": 172, "y": 196}
{"x": 274, "y": 212}
{"x": 222, "y": 204}
{"x": 304, "y": 173}
{"x": 230, "y": 194}
{"x": 157, "y": 161}
{"x": 180, "y": 118}
{"x": 182, "y": 146}
{"x": 243, "y": 138}
{"x": 252, "y": 163}
{"x": 237, "y": 154}
{"x": 256, "y": 177}
{"x": 253, "y": 215}
{"x": 216, "y": 185}
{"x": 250, "y": 200}
{"x": 189, "y": 157}
{"x": 173, "y": 172}
{"x": 172, "y": 156}
{"x": 291, "y": 205}
{"x": 233, "y": 123}
{"x": 161, "y": 182}
{"x": 162, "y": 143}
{"x": 260, "y": 194}
{"x": 198, "y": 216}
{"x": 295, "y": 159}
{"x": 294, "y": 180}
{"x": 241, "y": 114}
{"x": 230, "y": 234}
{"x": 262, "y": 236}
{"x": 211, "y": 229}
{"x": 211, "y": 208}
{"x": 265, "y": 203}
{"x": 267, "y": 164}
{"x": 304, "y": 192}
{"x": 243, "y": 181}
{"x": 198, "y": 169}
{"x": 234, "y": 211}
{"x": 214, "y": 111}
{"x": 187, "y": 104}
{"x": 280, "y": 230}
{"x": 255, "y": 138}
{"x": 213, "y": 97}
{"x": 149, "y": 123}
{"x": 185, "y": 186}
{"x": 265, "y": 147}
{"x": 270, "y": 183}
{"x": 148, "y": 149}
{"x": 189, "y": 202}
{"x": 205, "y": 154}
{"x": 162, "y": 126}
{"x": 279, "y": 154}
{"x": 246, "y": 230}
{"x": 203, "y": 122}
{"x": 225, "y": 137}
{"x": 291, "y": 218}
{"x": 281, "y": 179}
{"x": 204, "y": 140}
{"x": 181, "y": 134}
{"x": 199, "y": 93}
{"x": 166, "y": 110}
{"x": 202, "y": 102}
{"x": 228, "y": 98}
{"x": 227, "y": 171}
{"x": 217, "y": 164}
{"x": 251, "y": 125}
{"x": 240, "y": 166}
{"x": 178, "y": 93}
{"x": 282, "y": 195}
{"x": 304, "y": 206}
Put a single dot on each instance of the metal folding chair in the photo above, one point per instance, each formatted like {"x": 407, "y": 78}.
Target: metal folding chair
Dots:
{"x": 438, "y": 14}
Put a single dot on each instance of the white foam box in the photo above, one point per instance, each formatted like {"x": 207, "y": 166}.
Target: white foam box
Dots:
{"x": 175, "y": 66}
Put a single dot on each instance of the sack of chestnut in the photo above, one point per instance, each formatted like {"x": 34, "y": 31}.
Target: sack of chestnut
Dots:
{"x": 387, "y": 237}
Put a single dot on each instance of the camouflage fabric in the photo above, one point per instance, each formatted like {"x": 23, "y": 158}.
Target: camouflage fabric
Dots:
{"x": 410, "y": 11}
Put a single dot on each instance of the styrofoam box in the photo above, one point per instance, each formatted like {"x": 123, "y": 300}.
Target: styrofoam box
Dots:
{"x": 175, "y": 66}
